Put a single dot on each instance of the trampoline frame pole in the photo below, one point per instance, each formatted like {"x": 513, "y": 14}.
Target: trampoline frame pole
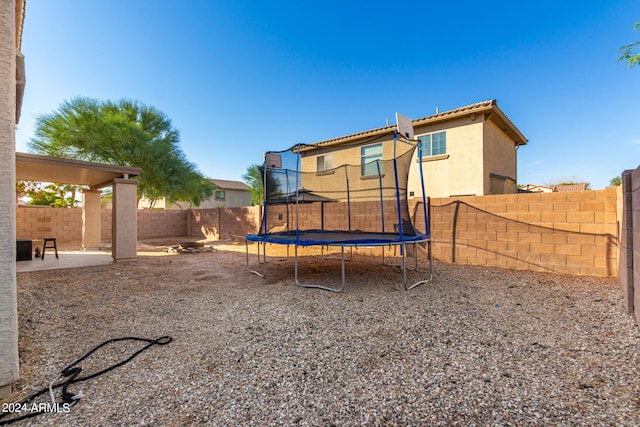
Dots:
{"x": 311, "y": 285}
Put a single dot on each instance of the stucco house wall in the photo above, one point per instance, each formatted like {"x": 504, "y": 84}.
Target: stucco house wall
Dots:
{"x": 333, "y": 184}
{"x": 11, "y": 14}
{"x": 232, "y": 199}
{"x": 460, "y": 170}
{"x": 236, "y": 194}
{"x": 499, "y": 161}
{"x": 480, "y": 157}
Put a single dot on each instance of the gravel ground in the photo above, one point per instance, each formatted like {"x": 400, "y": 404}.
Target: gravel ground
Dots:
{"x": 477, "y": 346}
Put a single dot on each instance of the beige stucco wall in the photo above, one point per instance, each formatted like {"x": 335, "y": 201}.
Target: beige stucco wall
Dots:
{"x": 333, "y": 185}
{"x": 476, "y": 149}
{"x": 499, "y": 158}
{"x": 460, "y": 171}
{"x": 125, "y": 224}
{"x": 233, "y": 199}
{"x": 91, "y": 219}
{"x": 8, "y": 304}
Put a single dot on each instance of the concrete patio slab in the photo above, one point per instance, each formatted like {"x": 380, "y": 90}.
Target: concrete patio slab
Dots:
{"x": 67, "y": 259}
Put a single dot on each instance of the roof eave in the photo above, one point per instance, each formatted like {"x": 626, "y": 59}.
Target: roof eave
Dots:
{"x": 491, "y": 106}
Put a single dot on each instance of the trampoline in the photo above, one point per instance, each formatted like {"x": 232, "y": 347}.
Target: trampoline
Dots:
{"x": 308, "y": 202}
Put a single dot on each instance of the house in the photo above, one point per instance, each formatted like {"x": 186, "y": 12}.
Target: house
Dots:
{"x": 532, "y": 188}
{"x": 471, "y": 150}
{"x": 228, "y": 194}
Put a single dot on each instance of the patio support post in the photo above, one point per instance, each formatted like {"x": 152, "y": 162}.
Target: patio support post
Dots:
{"x": 9, "y": 371}
{"x": 91, "y": 220}
{"x": 124, "y": 224}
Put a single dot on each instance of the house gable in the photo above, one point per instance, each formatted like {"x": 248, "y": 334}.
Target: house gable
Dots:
{"x": 480, "y": 155}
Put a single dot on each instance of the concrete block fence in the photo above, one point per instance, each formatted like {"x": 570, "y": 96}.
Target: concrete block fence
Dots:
{"x": 629, "y": 266}
{"x": 593, "y": 232}
{"x": 573, "y": 232}
{"x": 38, "y": 222}
{"x": 564, "y": 232}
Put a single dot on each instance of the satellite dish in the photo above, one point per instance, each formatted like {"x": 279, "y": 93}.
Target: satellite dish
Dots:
{"x": 405, "y": 126}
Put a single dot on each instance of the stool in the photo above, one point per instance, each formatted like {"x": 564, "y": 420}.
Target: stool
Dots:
{"x": 44, "y": 246}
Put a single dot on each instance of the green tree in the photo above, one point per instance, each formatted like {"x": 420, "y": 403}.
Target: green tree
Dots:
{"x": 126, "y": 133}
{"x": 615, "y": 181}
{"x": 255, "y": 180}
{"x": 51, "y": 194}
{"x": 627, "y": 51}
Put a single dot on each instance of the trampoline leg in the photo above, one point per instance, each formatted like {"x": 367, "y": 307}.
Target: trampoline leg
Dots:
{"x": 402, "y": 255}
{"x": 408, "y": 287}
{"x": 264, "y": 273}
{"x": 311, "y": 285}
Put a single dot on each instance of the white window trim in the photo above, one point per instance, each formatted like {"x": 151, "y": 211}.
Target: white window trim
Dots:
{"x": 434, "y": 156}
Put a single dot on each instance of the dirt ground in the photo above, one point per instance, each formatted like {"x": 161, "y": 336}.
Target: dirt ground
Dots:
{"x": 475, "y": 346}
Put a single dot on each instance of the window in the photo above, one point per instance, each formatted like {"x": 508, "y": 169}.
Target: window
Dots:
{"x": 371, "y": 155}
{"x": 219, "y": 195}
{"x": 324, "y": 163}
{"x": 434, "y": 144}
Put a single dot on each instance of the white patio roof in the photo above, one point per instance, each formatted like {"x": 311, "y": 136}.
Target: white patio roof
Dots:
{"x": 35, "y": 167}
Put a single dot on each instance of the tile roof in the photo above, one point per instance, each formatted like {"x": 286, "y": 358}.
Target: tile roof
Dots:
{"x": 223, "y": 184}
{"x": 490, "y": 105}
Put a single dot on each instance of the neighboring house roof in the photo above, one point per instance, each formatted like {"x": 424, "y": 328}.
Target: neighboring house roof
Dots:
{"x": 488, "y": 107}
{"x": 570, "y": 187}
{"x": 532, "y": 188}
{"x": 223, "y": 184}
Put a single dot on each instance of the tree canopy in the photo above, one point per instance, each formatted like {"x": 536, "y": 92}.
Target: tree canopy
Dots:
{"x": 126, "y": 133}
{"x": 255, "y": 180}
{"x": 52, "y": 194}
{"x": 627, "y": 51}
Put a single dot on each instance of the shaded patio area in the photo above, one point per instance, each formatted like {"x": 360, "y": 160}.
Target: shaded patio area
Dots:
{"x": 67, "y": 259}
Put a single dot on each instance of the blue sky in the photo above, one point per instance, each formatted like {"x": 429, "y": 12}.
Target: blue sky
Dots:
{"x": 241, "y": 77}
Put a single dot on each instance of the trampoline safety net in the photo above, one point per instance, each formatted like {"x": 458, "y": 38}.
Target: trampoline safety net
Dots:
{"x": 307, "y": 201}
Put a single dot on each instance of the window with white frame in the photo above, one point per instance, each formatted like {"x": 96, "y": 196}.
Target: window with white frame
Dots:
{"x": 371, "y": 155}
{"x": 434, "y": 144}
{"x": 324, "y": 163}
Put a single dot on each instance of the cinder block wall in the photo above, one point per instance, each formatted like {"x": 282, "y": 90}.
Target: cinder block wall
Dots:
{"x": 205, "y": 223}
{"x": 573, "y": 232}
{"x": 631, "y": 249}
{"x": 238, "y": 222}
{"x": 635, "y": 190}
{"x": 38, "y": 222}
{"x": 170, "y": 223}
{"x": 567, "y": 232}
{"x": 152, "y": 224}
{"x": 626, "y": 261}
{"x": 223, "y": 223}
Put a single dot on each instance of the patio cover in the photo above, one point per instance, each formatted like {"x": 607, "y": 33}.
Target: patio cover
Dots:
{"x": 34, "y": 167}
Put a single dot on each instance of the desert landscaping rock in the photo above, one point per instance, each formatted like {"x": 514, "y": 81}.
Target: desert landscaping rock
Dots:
{"x": 477, "y": 346}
